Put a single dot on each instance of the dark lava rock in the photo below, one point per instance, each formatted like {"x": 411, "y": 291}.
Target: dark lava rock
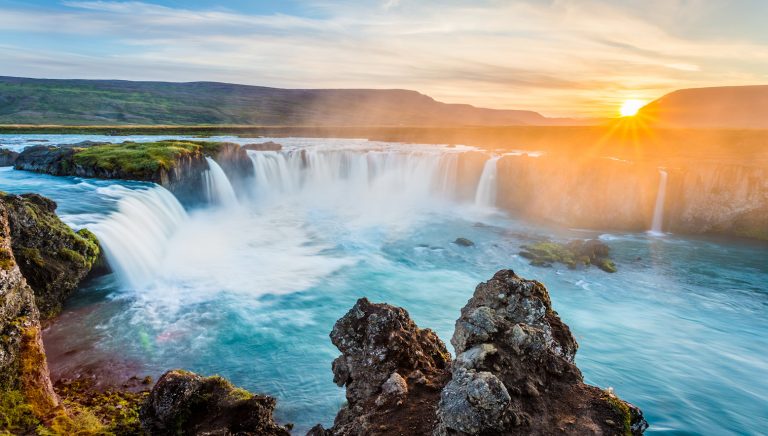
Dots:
{"x": 185, "y": 403}
{"x": 47, "y": 159}
{"x": 52, "y": 257}
{"x": 463, "y": 242}
{"x": 7, "y": 157}
{"x": 264, "y": 146}
{"x": 392, "y": 369}
{"x": 514, "y": 373}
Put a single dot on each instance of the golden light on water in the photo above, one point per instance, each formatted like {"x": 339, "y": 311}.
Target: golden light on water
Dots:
{"x": 630, "y": 107}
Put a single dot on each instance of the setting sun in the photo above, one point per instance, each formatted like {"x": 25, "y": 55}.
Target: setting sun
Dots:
{"x": 630, "y": 107}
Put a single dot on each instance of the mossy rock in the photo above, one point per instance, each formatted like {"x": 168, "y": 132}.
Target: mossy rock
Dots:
{"x": 52, "y": 257}
{"x": 140, "y": 160}
{"x": 574, "y": 254}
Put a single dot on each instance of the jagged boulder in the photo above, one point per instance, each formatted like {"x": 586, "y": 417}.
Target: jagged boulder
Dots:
{"x": 26, "y": 393}
{"x": 53, "y": 258}
{"x": 515, "y": 374}
{"x": 185, "y": 403}
{"x": 393, "y": 372}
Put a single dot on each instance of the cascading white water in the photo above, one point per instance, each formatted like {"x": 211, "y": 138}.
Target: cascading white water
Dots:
{"x": 218, "y": 188}
{"x": 362, "y": 172}
{"x": 134, "y": 238}
{"x": 485, "y": 196}
{"x": 658, "y": 210}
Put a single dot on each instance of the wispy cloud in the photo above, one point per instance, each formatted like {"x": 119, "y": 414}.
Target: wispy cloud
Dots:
{"x": 560, "y": 57}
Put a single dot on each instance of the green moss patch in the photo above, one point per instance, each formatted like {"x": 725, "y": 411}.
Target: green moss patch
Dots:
{"x": 109, "y": 412}
{"x": 621, "y": 408}
{"x": 16, "y": 416}
{"x": 141, "y": 159}
{"x": 6, "y": 259}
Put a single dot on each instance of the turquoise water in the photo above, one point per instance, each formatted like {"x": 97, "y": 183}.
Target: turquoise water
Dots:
{"x": 252, "y": 293}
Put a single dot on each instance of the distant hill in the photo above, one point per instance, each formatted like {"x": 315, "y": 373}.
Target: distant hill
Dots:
{"x": 728, "y": 106}
{"x": 117, "y": 102}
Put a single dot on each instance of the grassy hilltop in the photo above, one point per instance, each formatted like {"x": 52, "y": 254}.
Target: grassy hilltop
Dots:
{"x": 119, "y": 102}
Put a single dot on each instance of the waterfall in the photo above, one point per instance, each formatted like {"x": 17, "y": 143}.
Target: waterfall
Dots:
{"x": 485, "y": 196}
{"x": 356, "y": 173}
{"x": 658, "y": 210}
{"x": 134, "y": 237}
{"x": 218, "y": 189}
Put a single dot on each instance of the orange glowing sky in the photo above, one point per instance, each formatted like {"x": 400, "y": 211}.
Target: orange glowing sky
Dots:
{"x": 559, "y": 57}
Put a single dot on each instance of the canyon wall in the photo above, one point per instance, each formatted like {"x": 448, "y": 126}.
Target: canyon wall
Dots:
{"x": 700, "y": 197}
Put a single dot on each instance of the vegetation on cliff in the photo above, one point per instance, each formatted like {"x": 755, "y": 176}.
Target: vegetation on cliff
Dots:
{"x": 141, "y": 159}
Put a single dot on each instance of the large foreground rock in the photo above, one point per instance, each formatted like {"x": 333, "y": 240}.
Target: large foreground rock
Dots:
{"x": 392, "y": 369}
{"x": 514, "y": 371}
{"x": 513, "y": 375}
{"x": 52, "y": 257}
{"x": 23, "y": 368}
{"x": 185, "y": 403}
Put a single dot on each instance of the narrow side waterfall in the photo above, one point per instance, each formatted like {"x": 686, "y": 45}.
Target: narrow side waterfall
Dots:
{"x": 134, "y": 238}
{"x": 218, "y": 188}
{"x": 658, "y": 210}
{"x": 485, "y": 196}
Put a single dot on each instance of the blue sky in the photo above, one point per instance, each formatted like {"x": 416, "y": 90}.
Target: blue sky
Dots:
{"x": 560, "y": 57}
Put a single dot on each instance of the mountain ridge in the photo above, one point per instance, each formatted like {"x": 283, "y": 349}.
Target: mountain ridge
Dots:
{"x": 715, "y": 107}
{"x": 124, "y": 102}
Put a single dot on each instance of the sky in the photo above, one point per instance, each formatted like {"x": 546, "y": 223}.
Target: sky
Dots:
{"x": 574, "y": 58}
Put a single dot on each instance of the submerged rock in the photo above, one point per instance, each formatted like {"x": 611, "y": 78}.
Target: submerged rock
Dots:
{"x": 573, "y": 254}
{"x": 393, "y": 372}
{"x": 53, "y": 258}
{"x": 515, "y": 371}
{"x": 7, "y": 157}
{"x": 463, "y": 242}
{"x": 264, "y": 146}
{"x": 185, "y": 403}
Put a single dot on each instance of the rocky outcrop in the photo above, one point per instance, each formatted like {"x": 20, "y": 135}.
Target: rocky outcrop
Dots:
{"x": 393, "y": 372}
{"x": 176, "y": 165}
{"x": 52, "y": 257}
{"x": 7, "y": 157}
{"x": 574, "y": 254}
{"x": 514, "y": 371}
{"x": 264, "y": 146}
{"x": 25, "y": 385}
{"x": 185, "y": 403}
